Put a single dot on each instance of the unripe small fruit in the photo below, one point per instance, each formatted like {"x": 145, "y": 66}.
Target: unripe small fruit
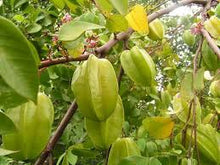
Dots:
{"x": 122, "y": 148}
{"x": 139, "y": 66}
{"x": 188, "y": 38}
{"x": 156, "y": 30}
{"x": 215, "y": 88}
{"x": 212, "y": 25}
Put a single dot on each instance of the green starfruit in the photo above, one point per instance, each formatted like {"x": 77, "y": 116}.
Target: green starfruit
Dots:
{"x": 95, "y": 87}
{"x": 34, "y": 123}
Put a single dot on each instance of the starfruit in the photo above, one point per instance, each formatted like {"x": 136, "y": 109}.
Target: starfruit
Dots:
{"x": 137, "y": 19}
{"x": 210, "y": 60}
{"x": 215, "y": 88}
{"x": 139, "y": 66}
{"x": 34, "y": 123}
{"x": 207, "y": 141}
{"x": 156, "y": 30}
{"x": 181, "y": 108}
{"x": 104, "y": 133}
{"x": 188, "y": 38}
{"x": 95, "y": 87}
{"x": 213, "y": 26}
{"x": 122, "y": 148}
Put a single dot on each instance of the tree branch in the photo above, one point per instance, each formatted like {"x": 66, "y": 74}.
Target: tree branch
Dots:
{"x": 195, "y": 64}
{"x": 62, "y": 60}
{"x": 121, "y": 36}
{"x": 211, "y": 42}
{"x": 58, "y": 133}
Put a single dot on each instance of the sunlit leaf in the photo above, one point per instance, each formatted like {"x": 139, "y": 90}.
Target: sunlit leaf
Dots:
{"x": 34, "y": 28}
{"x": 199, "y": 79}
{"x": 120, "y": 5}
{"x": 186, "y": 90}
{"x": 60, "y": 4}
{"x": 105, "y": 6}
{"x": 72, "y": 5}
{"x": 159, "y": 127}
{"x": 4, "y": 152}
{"x": 116, "y": 23}
{"x": 75, "y": 48}
{"x": 78, "y": 27}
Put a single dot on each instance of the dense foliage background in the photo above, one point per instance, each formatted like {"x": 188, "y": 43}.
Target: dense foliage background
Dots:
{"x": 40, "y": 21}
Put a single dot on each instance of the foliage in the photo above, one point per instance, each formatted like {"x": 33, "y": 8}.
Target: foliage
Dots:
{"x": 166, "y": 96}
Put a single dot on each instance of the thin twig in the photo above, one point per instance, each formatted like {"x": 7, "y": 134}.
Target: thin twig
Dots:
{"x": 211, "y": 42}
{"x": 195, "y": 64}
{"x": 184, "y": 131}
{"x": 107, "y": 155}
{"x": 209, "y": 39}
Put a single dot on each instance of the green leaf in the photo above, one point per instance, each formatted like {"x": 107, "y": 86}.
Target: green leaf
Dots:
{"x": 75, "y": 48}
{"x": 34, "y": 28}
{"x": 154, "y": 161}
{"x": 20, "y": 3}
{"x": 9, "y": 98}
{"x": 116, "y": 23}
{"x": 89, "y": 17}
{"x": 12, "y": 2}
{"x": 4, "y": 152}
{"x": 60, "y": 4}
{"x": 47, "y": 21}
{"x": 104, "y": 6}
{"x": 6, "y": 125}
{"x": 199, "y": 79}
{"x": 72, "y": 159}
{"x": 17, "y": 65}
{"x": 67, "y": 158}
{"x": 60, "y": 159}
{"x": 217, "y": 10}
{"x": 120, "y": 5}
{"x": 74, "y": 29}
{"x": 186, "y": 90}
{"x": 72, "y": 5}
{"x": 34, "y": 53}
